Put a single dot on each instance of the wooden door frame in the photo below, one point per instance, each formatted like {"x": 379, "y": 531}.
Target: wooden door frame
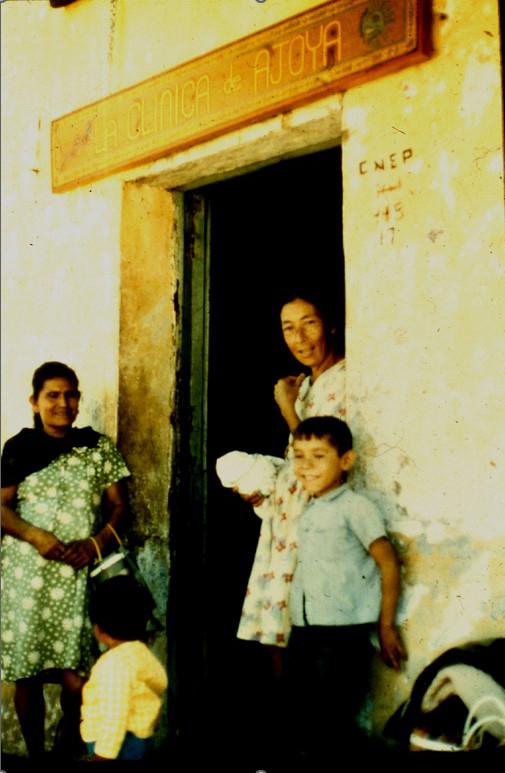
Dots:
{"x": 188, "y": 496}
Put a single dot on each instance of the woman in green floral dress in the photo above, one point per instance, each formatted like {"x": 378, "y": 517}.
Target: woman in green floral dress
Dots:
{"x": 61, "y": 488}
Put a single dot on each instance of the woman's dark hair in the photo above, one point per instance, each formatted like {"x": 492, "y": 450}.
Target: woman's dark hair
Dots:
{"x": 331, "y": 312}
{"x": 45, "y": 372}
{"x": 52, "y": 370}
{"x": 122, "y": 608}
{"x": 335, "y": 430}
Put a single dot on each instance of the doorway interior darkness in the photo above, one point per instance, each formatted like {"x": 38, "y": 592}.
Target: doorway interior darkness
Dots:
{"x": 274, "y": 227}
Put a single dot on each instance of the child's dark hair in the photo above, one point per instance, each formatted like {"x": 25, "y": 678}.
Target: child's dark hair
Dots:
{"x": 121, "y": 608}
{"x": 335, "y": 430}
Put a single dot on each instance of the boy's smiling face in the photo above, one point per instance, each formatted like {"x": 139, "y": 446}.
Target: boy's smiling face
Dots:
{"x": 318, "y": 466}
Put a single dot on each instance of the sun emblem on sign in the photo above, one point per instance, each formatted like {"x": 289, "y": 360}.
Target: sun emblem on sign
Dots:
{"x": 374, "y": 21}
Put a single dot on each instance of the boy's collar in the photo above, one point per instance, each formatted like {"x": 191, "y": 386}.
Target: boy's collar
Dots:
{"x": 330, "y": 495}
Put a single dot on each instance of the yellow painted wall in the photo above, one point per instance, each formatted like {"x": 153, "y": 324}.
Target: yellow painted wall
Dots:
{"x": 426, "y": 312}
{"x": 425, "y": 258}
{"x": 60, "y": 255}
{"x": 62, "y": 252}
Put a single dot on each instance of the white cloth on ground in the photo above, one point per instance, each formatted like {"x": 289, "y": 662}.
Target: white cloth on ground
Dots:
{"x": 470, "y": 685}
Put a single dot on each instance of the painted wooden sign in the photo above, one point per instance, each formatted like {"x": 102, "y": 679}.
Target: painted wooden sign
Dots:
{"x": 321, "y": 51}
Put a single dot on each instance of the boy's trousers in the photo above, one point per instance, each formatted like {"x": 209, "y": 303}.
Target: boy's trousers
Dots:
{"x": 327, "y": 679}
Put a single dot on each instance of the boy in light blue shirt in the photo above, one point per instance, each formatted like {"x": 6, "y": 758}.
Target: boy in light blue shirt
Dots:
{"x": 346, "y": 582}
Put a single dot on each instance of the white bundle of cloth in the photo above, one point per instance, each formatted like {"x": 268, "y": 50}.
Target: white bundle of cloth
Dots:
{"x": 248, "y": 473}
{"x": 471, "y": 685}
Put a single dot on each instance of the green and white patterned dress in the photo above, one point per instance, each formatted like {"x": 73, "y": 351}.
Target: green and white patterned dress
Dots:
{"x": 44, "y": 603}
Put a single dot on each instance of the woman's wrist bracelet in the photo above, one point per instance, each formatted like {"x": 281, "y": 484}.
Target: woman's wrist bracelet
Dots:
{"x": 112, "y": 529}
{"x": 114, "y": 532}
{"x": 97, "y": 548}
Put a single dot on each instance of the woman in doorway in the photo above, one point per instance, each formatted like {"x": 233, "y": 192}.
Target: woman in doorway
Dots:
{"x": 314, "y": 338}
{"x": 56, "y": 481}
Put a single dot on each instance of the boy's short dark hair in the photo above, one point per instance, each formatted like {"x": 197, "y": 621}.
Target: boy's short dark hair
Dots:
{"x": 121, "y": 608}
{"x": 338, "y": 433}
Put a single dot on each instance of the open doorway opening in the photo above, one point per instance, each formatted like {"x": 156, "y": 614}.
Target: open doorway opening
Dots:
{"x": 277, "y": 227}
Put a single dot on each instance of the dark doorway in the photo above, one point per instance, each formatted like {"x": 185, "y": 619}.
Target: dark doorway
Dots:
{"x": 275, "y": 227}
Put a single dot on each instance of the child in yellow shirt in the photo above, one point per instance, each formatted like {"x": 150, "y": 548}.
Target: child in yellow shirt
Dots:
{"x": 123, "y": 696}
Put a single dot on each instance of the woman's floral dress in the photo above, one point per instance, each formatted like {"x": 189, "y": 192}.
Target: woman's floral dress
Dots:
{"x": 265, "y": 615}
{"x": 44, "y": 603}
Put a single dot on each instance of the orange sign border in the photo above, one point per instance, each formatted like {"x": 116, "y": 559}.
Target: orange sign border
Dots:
{"x": 71, "y": 135}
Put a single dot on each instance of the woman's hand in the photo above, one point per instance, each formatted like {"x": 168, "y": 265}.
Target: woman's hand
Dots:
{"x": 47, "y": 544}
{"x": 285, "y": 394}
{"x": 286, "y": 390}
{"x": 82, "y": 552}
{"x": 255, "y": 499}
{"x": 79, "y": 553}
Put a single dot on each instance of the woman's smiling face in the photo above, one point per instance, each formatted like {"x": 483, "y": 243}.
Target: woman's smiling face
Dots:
{"x": 57, "y": 404}
{"x": 304, "y": 333}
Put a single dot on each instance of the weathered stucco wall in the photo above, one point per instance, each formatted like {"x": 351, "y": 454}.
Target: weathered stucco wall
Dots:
{"x": 63, "y": 256}
{"x": 192, "y": 28}
{"x": 148, "y": 361}
{"x": 423, "y": 220}
{"x": 148, "y": 346}
{"x": 425, "y": 262}
{"x": 60, "y": 254}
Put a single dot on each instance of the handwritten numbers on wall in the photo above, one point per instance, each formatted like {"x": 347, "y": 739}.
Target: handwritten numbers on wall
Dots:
{"x": 389, "y": 207}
